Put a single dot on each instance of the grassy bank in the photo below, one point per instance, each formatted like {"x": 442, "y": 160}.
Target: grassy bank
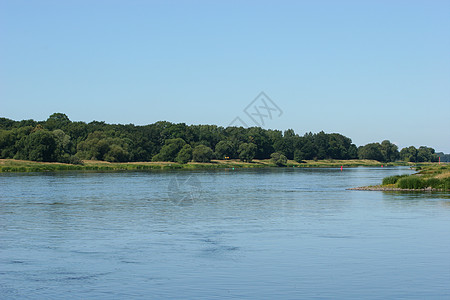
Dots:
{"x": 431, "y": 177}
{"x": 11, "y": 165}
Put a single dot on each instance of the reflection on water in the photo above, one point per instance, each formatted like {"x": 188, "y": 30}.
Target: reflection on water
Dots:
{"x": 271, "y": 233}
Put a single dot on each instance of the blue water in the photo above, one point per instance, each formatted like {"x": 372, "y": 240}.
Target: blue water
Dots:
{"x": 244, "y": 234}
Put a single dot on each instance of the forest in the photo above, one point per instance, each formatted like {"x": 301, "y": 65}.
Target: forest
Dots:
{"x": 58, "y": 139}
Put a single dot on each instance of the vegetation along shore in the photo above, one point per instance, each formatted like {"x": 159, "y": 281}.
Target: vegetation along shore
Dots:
{"x": 431, "y": 177}
{"x": 74, "y": 145}
{"x": 12, "y": 165}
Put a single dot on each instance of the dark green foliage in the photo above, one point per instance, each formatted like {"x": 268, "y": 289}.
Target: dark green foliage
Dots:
{"x": 389, "y": 151}
{"x": 279, "y": 159}
{"x": 446, "y": 183}
{"x": 98, "y": 146}
{"x": 57, "y": 121}
{"x": 371, "y": 151}
{"x": 409, "y": 154}
{"x": 423, "y": 154}
{"x": 444, "y": 157}
{"x": 225, "y": 149}
{"x": 306, "y": 152}
{"x": 260, "y": 138}
{"x": 384, "y": 152}
{"x": 116, "y": 154}
{"x": 392, "y": 179}
{"x": 170, "y": 150}
{"x": 433, "y": 183}
{"x": 185, "y": 155}
{"x": 163, "y": 141}
{"x": 38, "y": 146}
{"x": 247, "y": 152}
{"x": 202, "y": 153}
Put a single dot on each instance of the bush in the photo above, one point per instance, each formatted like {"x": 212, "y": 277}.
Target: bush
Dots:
{"x": 279, "y": 159}
{"x": 446, "y": 183}
{"x": 434, "y": 183}
{"x": 415, "y": 182}
{"x": 392, "y": 179}
{"x": 411, "y": 182}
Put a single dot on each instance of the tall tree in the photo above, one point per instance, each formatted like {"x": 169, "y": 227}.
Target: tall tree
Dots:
{"x": 247, "y": 151}
{"x": 202, "y": 153}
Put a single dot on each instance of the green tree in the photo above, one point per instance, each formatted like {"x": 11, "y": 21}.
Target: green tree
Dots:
{"x": 98, "y": 146}
{"x": 164, "y": 141}
{"x": 116, "y": 154}
{"x": 352, "y": 152}
{"x": 170, "y": 150}
{"x": 306, "y": 152}
{"x": 38, "y": 146}
{"x": 224, "y": 149}
{"x": 57, "y": 121}
{"x": 202, "y": 153}
{"x": 371, "y": 151}
{"x": 409, "y": 154}
{"x": 278, "y": 159}
{"x": 6, "y": 124}
{"x": 261, "y": 139}
{"x": 94, "y": 147}
{"x": 389, "y": 151}
{"x": 247, "y": 151}
{"x": 426, "y": 154}
{"x": 185, "y": 155}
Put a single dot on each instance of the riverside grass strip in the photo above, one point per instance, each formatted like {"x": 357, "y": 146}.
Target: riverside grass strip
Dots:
{"x": 431, "y": 177}
{"x": 11, "y": 165}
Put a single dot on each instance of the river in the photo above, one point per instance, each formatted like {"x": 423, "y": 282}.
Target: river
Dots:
{"x": 282, "y": 233}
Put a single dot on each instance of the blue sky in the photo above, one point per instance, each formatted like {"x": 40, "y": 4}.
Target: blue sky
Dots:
{"x": 371, "y": 70}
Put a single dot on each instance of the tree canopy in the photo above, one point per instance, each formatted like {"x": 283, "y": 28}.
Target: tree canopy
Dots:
{"x": 60, "y": 139}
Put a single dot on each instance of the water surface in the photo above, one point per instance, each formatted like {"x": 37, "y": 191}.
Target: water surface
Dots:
{"x": 247, "y": 234}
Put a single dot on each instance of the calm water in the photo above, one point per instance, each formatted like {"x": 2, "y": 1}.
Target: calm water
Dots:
{"x": 245, "y": 234}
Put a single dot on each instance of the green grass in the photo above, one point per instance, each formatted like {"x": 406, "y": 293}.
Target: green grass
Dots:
{"x": 411, "y": 182}
{"x": 416, "y": 182}
{"x": 11, "y": 165}
{"x": 431, "y": 176}
{"x": 392, "y": 179}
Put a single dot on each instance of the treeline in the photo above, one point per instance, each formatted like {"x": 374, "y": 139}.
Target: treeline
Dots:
{"x": 58, "y": 139}
{"x": 388, "y": 152}
{"x": 444, "y": 157}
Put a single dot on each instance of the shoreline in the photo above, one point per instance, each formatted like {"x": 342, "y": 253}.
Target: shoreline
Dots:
{"x": 430, "y": 178}
{"x": 393, "y": 189}
{"x": 12, "y": 165}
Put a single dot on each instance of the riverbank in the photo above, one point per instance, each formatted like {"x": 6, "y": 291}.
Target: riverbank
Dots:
{"x": 393, "y": 189}
{"x": 12, "y": 165}
{"x": 431, "y": 177}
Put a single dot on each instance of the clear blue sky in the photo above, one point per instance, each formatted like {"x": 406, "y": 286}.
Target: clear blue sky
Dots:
{"x": 371, "y": 70}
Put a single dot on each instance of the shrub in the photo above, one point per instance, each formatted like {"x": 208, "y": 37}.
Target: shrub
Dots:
{"x": 446, "y": 183}
{"x": 279, "y": 159}
{"x": 411, "y": 182}
{"x": 392, "y": 179}
{"x": 434, "y": 183}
